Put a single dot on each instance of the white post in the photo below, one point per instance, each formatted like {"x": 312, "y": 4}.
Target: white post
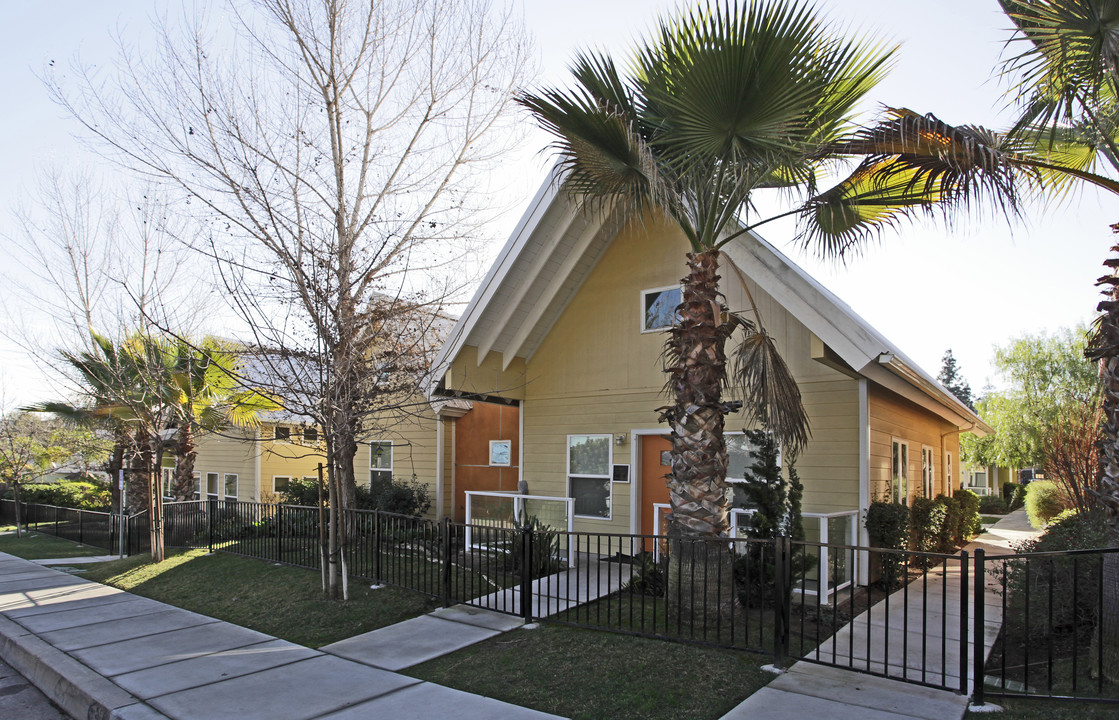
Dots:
{"x": 822, "y": 577}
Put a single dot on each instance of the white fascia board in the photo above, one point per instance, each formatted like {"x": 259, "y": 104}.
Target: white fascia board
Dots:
{"x": 824, "y": 314}
{"x": 528, "y": 223}
{"x": 843, "y": 330}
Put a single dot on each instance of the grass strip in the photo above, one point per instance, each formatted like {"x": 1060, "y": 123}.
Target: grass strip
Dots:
{"x": 280, "y": 600}
{"x": 590, "y": 675}
{"x": 37, "y": 546}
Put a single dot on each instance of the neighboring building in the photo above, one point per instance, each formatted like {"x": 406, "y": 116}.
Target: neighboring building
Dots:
{"x": 567, "y": 327}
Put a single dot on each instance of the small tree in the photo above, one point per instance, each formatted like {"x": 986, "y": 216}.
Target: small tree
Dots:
{"x": 953, "y": 381}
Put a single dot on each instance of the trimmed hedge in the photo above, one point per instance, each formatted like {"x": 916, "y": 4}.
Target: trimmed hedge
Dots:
{"x": 926, "y": 523}
{"x": 970, "y": 523}
{"x": 888, "y": 526}
{"x": 69, "y": 493}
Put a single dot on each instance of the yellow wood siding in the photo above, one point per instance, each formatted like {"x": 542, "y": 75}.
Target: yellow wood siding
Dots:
{"x": 895, "y": 418}
{"x": 596, "y": 372}
{"x": 414, "y": 451}
{"x": 231, "y": 451}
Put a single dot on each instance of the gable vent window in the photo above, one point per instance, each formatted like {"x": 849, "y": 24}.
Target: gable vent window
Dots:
{"x": 658, "y": 308}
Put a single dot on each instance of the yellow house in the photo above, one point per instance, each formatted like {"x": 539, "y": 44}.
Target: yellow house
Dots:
{"x": 432, "y": 443}
{"x": 568, "y": 327}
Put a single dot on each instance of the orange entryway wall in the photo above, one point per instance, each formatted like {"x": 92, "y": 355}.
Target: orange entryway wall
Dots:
{"x": 472, "y": 469}
{"x": 653, "y": 487}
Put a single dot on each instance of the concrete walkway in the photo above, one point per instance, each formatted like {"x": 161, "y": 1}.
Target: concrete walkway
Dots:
{"x": 102, "y": 653}
{"x": 914, "y": 634}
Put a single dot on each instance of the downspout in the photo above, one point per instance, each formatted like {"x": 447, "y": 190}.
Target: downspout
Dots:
{"x": 864, "y": 478}
{"x": 440, "y": 467}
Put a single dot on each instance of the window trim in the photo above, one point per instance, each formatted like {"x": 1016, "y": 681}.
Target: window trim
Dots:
{"x": 894, "y": 485}
{"x": 276, "y": 491}
{"x": 215, "y": 495}
{"x": 309, "y": 441}
{"x": 641, "y": 308}
{"x": 928, "y": 472}
{"x": 225, "y": 485}
{"x": 608, "y": 477}
{"x": 392, "y": 464}
{"x": 286, "y": 438}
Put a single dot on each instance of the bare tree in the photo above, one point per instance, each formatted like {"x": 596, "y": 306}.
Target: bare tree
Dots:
{"x": 335, "y": 151}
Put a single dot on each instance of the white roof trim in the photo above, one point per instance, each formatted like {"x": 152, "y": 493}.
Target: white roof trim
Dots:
{"x": 822, "y": 312}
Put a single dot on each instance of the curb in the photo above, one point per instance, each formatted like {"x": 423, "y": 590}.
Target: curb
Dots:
{"x": 68, "y": 683}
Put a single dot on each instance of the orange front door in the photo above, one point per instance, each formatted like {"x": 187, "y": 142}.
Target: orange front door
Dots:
{"x": 654, "y": 490}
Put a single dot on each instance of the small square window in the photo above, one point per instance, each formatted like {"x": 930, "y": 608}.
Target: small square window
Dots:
{"x": 280, "y": 484}
{"x": 310, "y": 435}
{"x": 282, "y": 434}
{"x": 658, "y": 308}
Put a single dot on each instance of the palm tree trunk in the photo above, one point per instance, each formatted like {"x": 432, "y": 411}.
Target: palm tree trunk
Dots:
{"x": 698, "y": 492}
{"x": 139, "y": 478}
{"x": 1104, "y": 347}
{"x": 183, "y": 488}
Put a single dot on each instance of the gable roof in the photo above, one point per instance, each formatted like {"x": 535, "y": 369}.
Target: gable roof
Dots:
{"x": 555, "y": 246}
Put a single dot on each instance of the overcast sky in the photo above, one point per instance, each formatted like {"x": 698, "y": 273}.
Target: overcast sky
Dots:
{"x": 970, "y": 287}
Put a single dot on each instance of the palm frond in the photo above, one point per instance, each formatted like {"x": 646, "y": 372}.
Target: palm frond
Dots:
{"x": 770, "y": 393}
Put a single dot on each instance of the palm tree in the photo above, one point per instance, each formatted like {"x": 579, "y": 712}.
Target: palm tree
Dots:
{"x": 724, "y": 101}
{"x": 1068, "y": 80}
{"x": 205, "y": 388}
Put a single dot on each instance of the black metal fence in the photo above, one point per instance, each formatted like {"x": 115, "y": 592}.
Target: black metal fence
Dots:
{"x": 1059, "y": 616}
{"x": 918, "y": 617}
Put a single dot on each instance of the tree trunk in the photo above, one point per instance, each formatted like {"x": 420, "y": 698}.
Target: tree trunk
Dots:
{"x": 1104, "y": 347}
{"x": 183, "y": 487}
{"x": 699, "y": 580}
{"x": 138, "y": 496}
{"x": 155, "y": 494}
{"x": 19, "y": 515}
{"x": 116, "y": 464}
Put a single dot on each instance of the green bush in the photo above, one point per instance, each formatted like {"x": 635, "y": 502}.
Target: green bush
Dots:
{"x": 992, "y": 505}
{"x": 1043, "y": 502}
{"x": 1018, "y": 500}
{"x": 950, "y": 528}
{"x": 926, "y": 523}
{"x": 970, "y": 522}
{"x": 1059, "y": 592}
{"x": 404, "y": 497}
{"x": 71, "y": 494}
{"x": 888, "y": 526}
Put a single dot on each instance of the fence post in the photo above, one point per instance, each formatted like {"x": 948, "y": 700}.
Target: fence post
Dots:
{"x": 81, "y": 535}
{"x": 979, "y": 661}
{"x": 377, "y": 545}
{"x": 210, "y": 524}
{"x": 279, "y": 533}
{"x": 526, "y": 572}
{"x": 964, "y": 600}
{"x": 782, "y": 572}
{"x": 446, "y": 547}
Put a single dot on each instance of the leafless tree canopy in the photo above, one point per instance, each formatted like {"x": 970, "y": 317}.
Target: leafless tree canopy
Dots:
{"x": 333, "y": 152}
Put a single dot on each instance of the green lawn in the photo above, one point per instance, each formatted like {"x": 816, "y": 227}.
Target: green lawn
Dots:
{"x": 37, "y": 546}
{"x": 590, "y": 675}
{"x": 1048, "y": 710}
{"x": 279, "y": 600}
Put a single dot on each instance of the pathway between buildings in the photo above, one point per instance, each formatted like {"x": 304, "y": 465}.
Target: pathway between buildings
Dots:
{"x": 916, "y": 639}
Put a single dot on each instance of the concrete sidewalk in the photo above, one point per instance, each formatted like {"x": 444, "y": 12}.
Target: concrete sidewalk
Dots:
{"x": 102, "y": 653}
{"x": 916, "y": 639}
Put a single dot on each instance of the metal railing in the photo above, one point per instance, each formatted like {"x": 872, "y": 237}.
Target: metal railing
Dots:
{"x": 1059, "y": 636}
{"x": 508, "y": 511}
{"x": 925, "y": 618}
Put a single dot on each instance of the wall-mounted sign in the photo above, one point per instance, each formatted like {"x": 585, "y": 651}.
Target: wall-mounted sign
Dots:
{"x": 621, "y": 473}
{"x": 501, "y": 452}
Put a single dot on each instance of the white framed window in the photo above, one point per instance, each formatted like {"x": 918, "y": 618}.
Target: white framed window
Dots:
{"x": 212, "y": 485}
{"x": 658, "y": 307}
{"x": 589, "y": 461}
{"x": 899, "y": 472}
{"x": 928, "y": 474}
{"x": 978, "y": 479}
{"x": 231, "y": 486}
{"x": 380, "y": 461}
{"x": 168, "y": 480}
{"x": 281, "y": 434}
{"x": 197, "y": 478}
{"x": 310, "y": 436}
{"x": 280, "y": 483}
{"x": 949, "y": 481}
